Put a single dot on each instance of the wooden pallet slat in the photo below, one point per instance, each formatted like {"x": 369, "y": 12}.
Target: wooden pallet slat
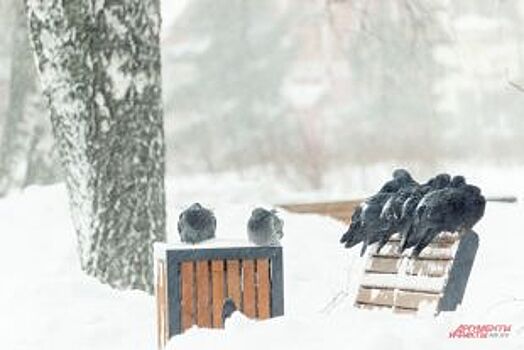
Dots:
{"x": 415, "y": 299}
{"x": 218, "y": 283}
{"x": 248, "y": 284}
{"x": 203, "y": 312}
{"x": 233, "y": 282}
{"x": 161, "y": 302}
{"x": 264, "y": 289}
{"x": 187, "y": 295}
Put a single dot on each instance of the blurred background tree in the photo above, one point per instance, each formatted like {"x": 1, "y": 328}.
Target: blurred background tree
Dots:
{"x": 306, "y": 90}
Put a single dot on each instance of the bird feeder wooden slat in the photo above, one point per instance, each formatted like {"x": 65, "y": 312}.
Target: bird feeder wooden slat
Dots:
{"x": 192, "y": 285}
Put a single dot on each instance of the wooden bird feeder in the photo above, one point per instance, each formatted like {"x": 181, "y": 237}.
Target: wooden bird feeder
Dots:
{"x": 192, "y": 284}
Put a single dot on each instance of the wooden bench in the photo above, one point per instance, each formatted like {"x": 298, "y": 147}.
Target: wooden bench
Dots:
{"x": 341, "y": 211}
{"x": 438, "y": 277}
{"x": 436, "y": 281}
{"x": 192, "y": 284}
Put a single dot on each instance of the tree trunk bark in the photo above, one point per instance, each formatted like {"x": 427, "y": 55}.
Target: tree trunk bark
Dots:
{"x": 99, "y": 63}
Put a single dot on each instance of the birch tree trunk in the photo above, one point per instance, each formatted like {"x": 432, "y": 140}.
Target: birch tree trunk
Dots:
{"x": 99, "y": 63}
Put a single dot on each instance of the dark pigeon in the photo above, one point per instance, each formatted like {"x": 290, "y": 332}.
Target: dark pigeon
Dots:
{"x": 392, "y": 214}
{"x": 456, "y": 208}
{"x": 196, "y": 224}
{"x": 228, "y": 308}
{"x": 265, "y": 227}
{"x": 401, "y": 178}
{"x": 367, "y": 226}
{"x": 415, "y": 206}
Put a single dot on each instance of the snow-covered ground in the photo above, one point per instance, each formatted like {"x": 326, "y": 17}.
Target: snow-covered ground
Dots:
{"x": 46, "y": 302}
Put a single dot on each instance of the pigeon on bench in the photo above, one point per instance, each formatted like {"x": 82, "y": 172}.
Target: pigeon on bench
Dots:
{"x": 367, "y": 226}
{"x": 196, "y": 224}
{"x": 265, "y": 227}
{"x": 456, "y": 208}
{"x": 416, "y": 202}
{"x": 401, "y": 179}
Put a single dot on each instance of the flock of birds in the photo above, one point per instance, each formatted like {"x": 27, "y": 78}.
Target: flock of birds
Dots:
{"x": 418, "y": 212}
{"x": 197, "y": 224}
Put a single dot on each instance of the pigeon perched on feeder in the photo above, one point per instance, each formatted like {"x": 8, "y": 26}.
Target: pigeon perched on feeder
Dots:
{"x": 265, "y": 227}
{"x": 196, "y": 224}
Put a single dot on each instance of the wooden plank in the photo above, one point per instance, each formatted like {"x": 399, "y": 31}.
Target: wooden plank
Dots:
{"x": 383, "y": 265}
{"x": 437, "y": 268}
{"x": 414, "y": 300}
{"x": 248, "y": 292}
{"x": 375, "y": 296}
{"x": 161, "y": 299}
{"x": 322, "y": 207}
{"x": 217, "y": 281}
{"x": 406, "y": 282}
{"x": 371, "y": 306}
{"x": 203, "y": 312}
{"x": 404, "y": 311}
{"x": 233, "y": 282}
{"x": 263, "y": 289}
{"x": 188, "y": 296}
{"x": 390, "y": 250}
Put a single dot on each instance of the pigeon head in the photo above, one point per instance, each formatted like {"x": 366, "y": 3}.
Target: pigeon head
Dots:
{"x": 353, "y": 236}
{"x": 261, "y": 213}
{"x": 458, "y": 181}
{"x": 471, "y": 190}
{"x": 441, "y": 181}
{"x": 195, "y": 206}
{"x": 402, "y": 175}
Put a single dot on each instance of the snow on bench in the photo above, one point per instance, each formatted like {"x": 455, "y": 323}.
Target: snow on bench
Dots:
{"x": 193, "y": 282}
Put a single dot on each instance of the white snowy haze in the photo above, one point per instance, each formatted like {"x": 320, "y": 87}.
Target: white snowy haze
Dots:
{"x": 302, "y": 90}
{"x": 268, "y": 102}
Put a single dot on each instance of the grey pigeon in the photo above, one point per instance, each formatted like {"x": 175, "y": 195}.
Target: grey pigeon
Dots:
{"x": 196, "y": 224}
{"x": 265, "y": 227}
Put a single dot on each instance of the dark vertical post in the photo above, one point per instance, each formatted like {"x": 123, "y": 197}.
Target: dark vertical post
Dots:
{"x": 173, "y": 294}
{"x": 460, "y": 271}
{"x": 277, "y": 284}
